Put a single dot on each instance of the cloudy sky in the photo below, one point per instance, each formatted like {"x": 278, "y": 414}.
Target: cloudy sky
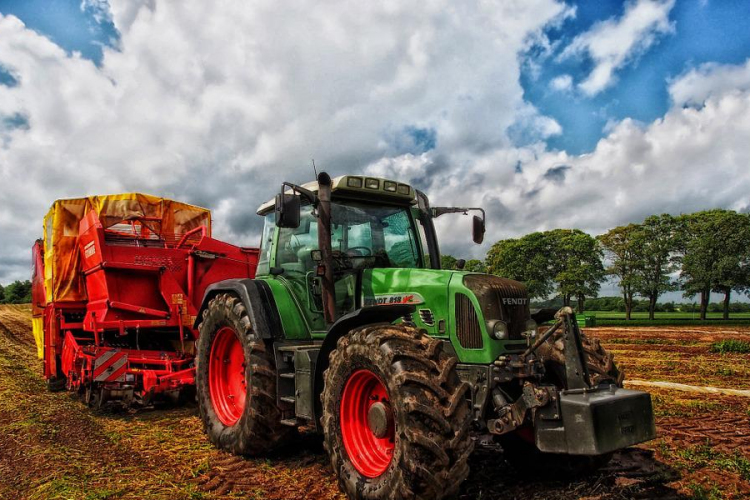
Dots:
{"x": 547, "y": 113}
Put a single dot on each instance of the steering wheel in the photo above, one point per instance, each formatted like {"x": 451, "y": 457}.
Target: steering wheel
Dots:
{"x": 361, "y": 252}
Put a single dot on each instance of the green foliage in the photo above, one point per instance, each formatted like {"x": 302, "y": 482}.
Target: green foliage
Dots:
{"x": 576, "y": 259}
{"x": 448, "y": 262}
{"x": 715, "y": 253}
{"x": 2, "y": 294}
{"x": 563, "y": 261}
{"x": 657, "y": 243}
{"x": 527, "y": 260}
{"x": 731, "y": 345}
{"x": 18, "y": 292}
{"x": 475, "y": 266}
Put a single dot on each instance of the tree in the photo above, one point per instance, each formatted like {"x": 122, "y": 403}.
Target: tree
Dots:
{"x": 715, "y": 248}
{"x": 656, "y": 243}
{"x": 475, "y": 266}
{"x": 525, "y": 259}
{"x": 448, "y": 262}
{"x": 18, "y": 292}
{"x": 621, "y": 247}
{"x": 576, "y": 259}
{"x": 2, "y": 294}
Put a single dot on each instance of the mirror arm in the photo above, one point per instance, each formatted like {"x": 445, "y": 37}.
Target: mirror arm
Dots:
{"x": 304, "y": 193}
{"x": 438, "y": 211}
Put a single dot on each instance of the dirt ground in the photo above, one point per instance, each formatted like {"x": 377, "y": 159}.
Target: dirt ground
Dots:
{"x": 53, "y": 447}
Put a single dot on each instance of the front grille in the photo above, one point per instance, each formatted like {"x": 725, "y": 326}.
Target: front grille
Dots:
{"x": 468, "y": 331}
{"x": 503, "y": 299}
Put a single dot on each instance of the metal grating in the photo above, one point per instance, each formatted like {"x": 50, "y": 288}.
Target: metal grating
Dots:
{"x": 468, "y": 331}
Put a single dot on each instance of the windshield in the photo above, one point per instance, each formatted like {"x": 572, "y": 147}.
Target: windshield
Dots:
{"x": 362, "y": 236}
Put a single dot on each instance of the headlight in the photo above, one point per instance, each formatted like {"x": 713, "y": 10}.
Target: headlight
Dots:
{"x": 498, "y": 329}
{"x": 530, "y": 328}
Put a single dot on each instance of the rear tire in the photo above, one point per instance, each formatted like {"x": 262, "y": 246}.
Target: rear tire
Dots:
{"x": 417, "y": 443}
{"x": 240, "y": 413}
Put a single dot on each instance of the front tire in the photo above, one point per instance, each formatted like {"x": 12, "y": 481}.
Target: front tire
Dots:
{"x": 236, "y": 381}
{"x": 519, "y": 448}
{"x": 395, "y": 415}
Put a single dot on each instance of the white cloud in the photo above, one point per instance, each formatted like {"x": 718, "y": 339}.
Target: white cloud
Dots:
{"x": 614, "y": 43}
{"x": 218, "y": 102}
{"x": 691, "y": 159}
{"x": 562, "y": 83}
{"x": 698, "y": 84}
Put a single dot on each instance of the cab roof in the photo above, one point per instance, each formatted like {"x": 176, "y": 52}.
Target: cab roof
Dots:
{"x": 358, "y": 186}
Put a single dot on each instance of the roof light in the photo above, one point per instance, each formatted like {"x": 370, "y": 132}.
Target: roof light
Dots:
{"x": 372, "y": 183}
{"x": 389, "y": 186}
{"x": 403, "y": 189}
{"x": 354, "y": 182}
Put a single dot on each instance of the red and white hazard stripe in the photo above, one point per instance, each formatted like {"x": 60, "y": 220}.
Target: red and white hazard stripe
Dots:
{"x": 111, "y": 366}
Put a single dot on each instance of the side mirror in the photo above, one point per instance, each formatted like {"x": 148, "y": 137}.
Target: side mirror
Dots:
{"x": 477, "y": 229}
{"x": 287, "y": 210}
{"x": 460, "y": 264}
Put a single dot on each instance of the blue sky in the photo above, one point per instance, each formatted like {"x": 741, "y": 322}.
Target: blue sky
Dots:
{"x": 710, "y": 31}
{"x": 550, "y": 114}
{"x": 66, "y": 22}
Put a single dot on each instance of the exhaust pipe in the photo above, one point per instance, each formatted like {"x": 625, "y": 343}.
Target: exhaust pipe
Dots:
{"x": 326, "y": 250}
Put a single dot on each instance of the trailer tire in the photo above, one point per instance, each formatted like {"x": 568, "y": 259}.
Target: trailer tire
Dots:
{"x": 56, "y": 384}
{"x": 420, "y": 430}
{"x": 257, "y": 428}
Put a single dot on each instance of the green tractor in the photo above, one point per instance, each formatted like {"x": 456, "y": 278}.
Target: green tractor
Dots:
{"x": 351, "y": 328}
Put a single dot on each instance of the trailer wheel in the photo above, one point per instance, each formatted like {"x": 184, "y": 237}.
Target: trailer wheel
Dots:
{"x": 236, "y": 381}
{"x": 57, "y": 382}
{"x": 395, "y": 415}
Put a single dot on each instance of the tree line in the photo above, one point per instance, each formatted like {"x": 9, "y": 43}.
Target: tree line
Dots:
{"x": 18, "y": 292}
{"x": 698, "y": 253}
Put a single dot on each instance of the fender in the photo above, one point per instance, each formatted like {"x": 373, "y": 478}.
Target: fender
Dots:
{"x": 364, "y": 316}
{"x": 258, "y": 300}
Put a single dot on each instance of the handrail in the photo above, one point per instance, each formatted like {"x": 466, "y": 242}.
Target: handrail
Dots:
{"x": 202, "y": 229}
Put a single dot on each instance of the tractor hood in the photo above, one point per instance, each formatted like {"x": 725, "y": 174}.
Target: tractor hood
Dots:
{"x": 465, "y": 314}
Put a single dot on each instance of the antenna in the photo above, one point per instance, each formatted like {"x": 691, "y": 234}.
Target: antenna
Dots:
{"x": 315, "y": 170}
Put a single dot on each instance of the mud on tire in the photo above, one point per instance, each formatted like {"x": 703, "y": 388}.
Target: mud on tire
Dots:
{"x": 258, "y": 429}
{"x": 519, "y": 448}
{"x": 600, "y": 362}
{"x": 430, "y": 413}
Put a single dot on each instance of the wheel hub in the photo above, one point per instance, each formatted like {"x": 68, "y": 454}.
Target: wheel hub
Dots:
{"x": 367, "y": 427}
{"x": 380, "y": 419}
{"x": 226, "y": 376}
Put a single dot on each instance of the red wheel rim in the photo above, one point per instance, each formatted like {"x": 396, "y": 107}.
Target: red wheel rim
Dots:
{"x": 226, "y": 376}
{"x": 371, "y": 455}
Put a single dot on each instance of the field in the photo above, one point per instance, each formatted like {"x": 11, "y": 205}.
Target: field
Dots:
{"x": 51, "y": 446}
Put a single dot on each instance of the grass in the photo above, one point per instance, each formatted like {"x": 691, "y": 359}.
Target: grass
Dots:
{"x": 615, "y": 318}
{"x": 731, "y": 346}
{"x": 666, "y": 315}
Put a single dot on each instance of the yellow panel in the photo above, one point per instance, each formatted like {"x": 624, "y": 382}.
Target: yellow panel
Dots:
{"x": 62, "y": 276}
{"x": 37, "y": 324}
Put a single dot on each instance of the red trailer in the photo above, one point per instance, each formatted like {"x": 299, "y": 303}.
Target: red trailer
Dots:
{"x": 117, "y": 282}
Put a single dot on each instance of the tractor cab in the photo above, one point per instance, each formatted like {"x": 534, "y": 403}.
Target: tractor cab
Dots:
{"x": 375, "y": 224}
